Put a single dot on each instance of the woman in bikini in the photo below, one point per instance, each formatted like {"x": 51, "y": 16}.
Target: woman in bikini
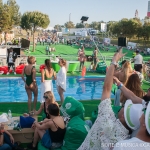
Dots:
{"x": 46, "y": 79}
{"x": 30, "y": 82}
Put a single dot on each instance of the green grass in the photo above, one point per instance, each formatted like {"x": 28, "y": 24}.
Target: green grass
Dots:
{"x": 20, "y": 108}
{"x": 70, "y": 52}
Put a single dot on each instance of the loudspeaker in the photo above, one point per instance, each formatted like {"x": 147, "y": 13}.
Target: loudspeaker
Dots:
{"x": 25, "y": 43}
{"x": 122, "y": 41}
{"x": 16, "y": 50}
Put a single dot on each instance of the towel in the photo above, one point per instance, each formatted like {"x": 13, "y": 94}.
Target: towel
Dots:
{"x": 3, "y": 118}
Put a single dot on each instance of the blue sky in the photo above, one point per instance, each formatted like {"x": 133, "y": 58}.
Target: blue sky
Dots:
{"x": 96, "y": 10}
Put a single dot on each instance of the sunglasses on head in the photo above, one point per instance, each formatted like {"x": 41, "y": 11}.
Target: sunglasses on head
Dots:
{"x": 45, "y": 97}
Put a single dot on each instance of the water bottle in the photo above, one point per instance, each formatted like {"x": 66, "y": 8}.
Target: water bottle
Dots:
{"x": 10, "y": 118}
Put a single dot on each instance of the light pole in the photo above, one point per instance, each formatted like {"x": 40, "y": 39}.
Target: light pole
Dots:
{"x": 32, "y": 29}
{"x": 69, "y": 17}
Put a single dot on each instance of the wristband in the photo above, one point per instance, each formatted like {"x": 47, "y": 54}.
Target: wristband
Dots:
{"x": 114, "y": 63}
{"x": 120, "y": 85}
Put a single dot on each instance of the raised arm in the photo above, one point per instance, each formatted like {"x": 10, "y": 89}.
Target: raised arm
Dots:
{"x": 40, "y": 109}
{"x": 109, "y": 75}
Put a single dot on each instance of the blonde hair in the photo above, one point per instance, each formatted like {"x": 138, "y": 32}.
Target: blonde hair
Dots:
{"x": 50, "y": 96}
{"x": 63, "y": 62}
{"x": 126, "y": 69}
{"x": 31, "y": 60}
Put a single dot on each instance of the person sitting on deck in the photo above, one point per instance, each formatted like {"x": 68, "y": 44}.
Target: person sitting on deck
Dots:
{"x": 7, "y": 140}
{"x": 50, "y": 131}
{"x": 49, "y": 99}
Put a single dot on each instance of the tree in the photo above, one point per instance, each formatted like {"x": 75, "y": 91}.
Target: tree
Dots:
{"x": 145, "y": 33}
{"x": 69, "y": 25}
{"x": 125, "y": 27}
{"x": 95, "y": 25}
{"x": 79, "y": 25}
{"x": 58, "y": 27}
{"x": 14, "y": 12}
{"x": 1, "y": 3}
{"x": 33, "y": 20}
{"x": 9, "y": 16}
{"x": 5, "y": 20}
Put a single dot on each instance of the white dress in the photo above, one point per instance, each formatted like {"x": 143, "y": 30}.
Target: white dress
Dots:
{"x": 47, "y": 85}
{"x": 61, "y": 78}
{"x": 106, "y": 129}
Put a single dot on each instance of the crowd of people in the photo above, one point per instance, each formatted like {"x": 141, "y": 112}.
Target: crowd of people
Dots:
{"x": 52, "y": 128}
{"x": 93, "y": 58}
{"x": 129, "y": 129}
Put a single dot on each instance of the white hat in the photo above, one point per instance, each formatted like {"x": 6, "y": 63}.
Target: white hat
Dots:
{"x": 147, "y": 118}
{"x": 132, "y": 114}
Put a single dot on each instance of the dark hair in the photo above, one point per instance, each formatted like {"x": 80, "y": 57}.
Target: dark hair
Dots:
{"x": 138, "y": 68}
{"x": 48, "y": 64}
{"x": 10, "y": 49}
{"x": 53, "y": 109}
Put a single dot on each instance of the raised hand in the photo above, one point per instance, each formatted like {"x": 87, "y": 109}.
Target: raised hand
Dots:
{"x": 115, "y": 79}
{"x": 118, "y": 55}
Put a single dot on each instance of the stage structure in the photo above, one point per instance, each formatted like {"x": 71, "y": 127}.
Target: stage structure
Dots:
{"x": 83, "y": 20}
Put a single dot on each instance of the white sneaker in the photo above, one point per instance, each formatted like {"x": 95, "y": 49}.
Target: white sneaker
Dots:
{"x": 7, "y": 73}
{"x": 14, "y": 73}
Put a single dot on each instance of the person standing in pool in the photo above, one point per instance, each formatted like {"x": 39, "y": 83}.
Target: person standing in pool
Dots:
{"x": 61, "y": 79}
{"x": 30, "y": 82}
{"x": 81, "y": 58}
{"x": 46, "y": 79}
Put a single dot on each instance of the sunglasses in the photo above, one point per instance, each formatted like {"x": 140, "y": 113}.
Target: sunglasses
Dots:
{"x": 45, "y": 97}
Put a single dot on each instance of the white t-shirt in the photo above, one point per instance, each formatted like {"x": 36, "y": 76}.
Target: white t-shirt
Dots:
{"x": 138, "y": 59}
{"x": 10, "y": 57}
{"x": 132, "y": 144}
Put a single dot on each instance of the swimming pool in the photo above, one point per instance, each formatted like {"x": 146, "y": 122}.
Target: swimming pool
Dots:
{"x": 12, "y": 89}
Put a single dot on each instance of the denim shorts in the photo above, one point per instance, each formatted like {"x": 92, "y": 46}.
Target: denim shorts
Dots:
{"x": 46, "y": 140}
